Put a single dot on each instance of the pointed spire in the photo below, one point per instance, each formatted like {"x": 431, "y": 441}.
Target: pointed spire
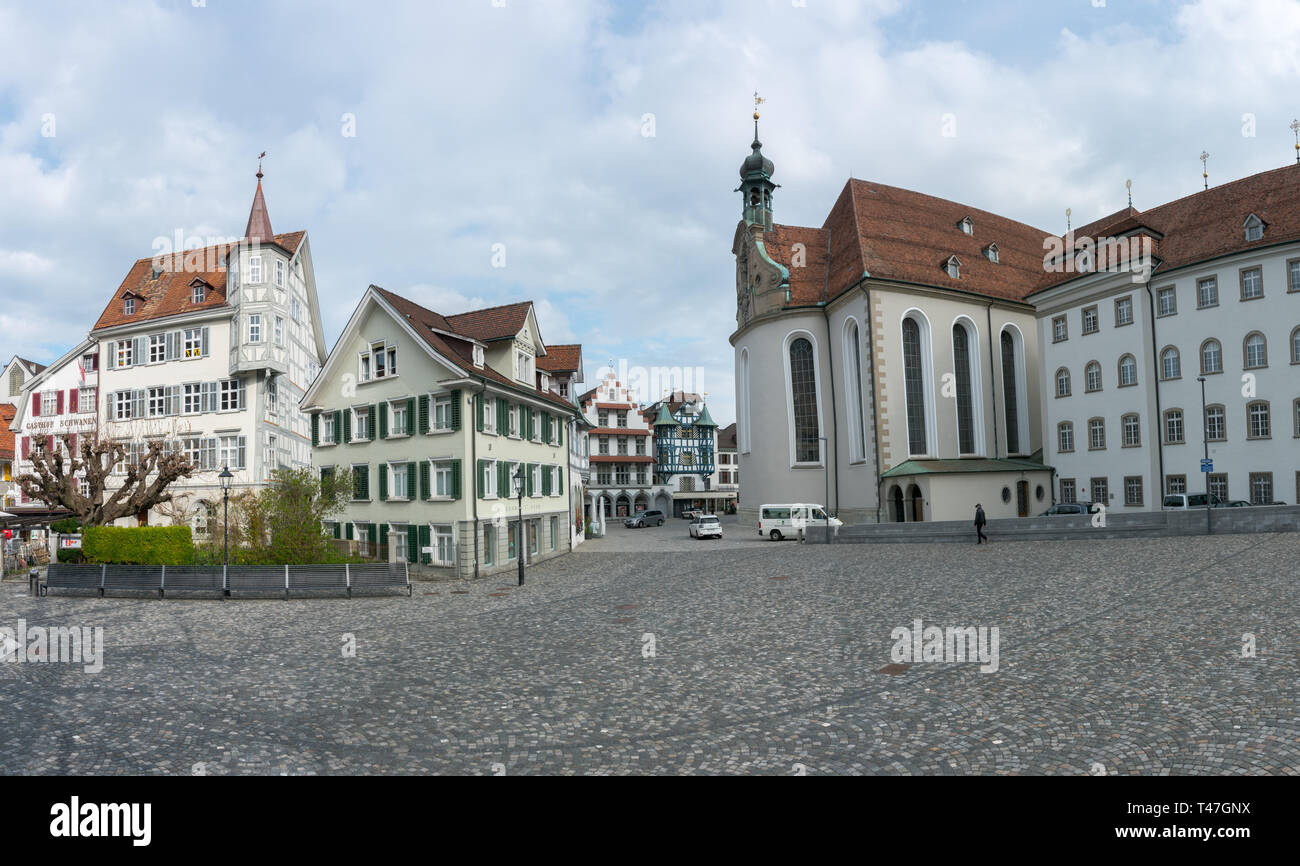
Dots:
{"x": 259, "y": 221}
{"x": 705, "y": 419}
{"x": 663, "y": 417}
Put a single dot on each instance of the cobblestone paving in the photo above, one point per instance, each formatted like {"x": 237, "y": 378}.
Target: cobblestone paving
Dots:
{"x": 1123, "y": 657}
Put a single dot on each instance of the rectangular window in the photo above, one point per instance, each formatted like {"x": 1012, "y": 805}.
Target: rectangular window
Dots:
{"x": 1207, "y": 293}
{"x": 442, "y": 479}
{"x": 361, "y": 418}
{"x": 128, "y": 306}
{"x": 1175, "y": 485}
{"x": 622, "y": 418}
{"x": 1089, "y": 320}
{"x": 361, "y": 482}
{"x": 398, "y": 419}
{"x": 1060, "y": 332}
{"x": 1293, "y": 275}
{"x": 1067, "y": 490}
{"x": 443, "y": 553}
{"x": 1166, "y": 302}
{"x": 1257, "y": 416}
{"x": 1100, "y": 490}
{"x": 489, "y": 415}
{"x": 1174, "y": 426}
{"x": 1218, "y": 482}
{"x": 157, "y": 348}
{"x": 602, "y": 418}
{"x": 398, "y": 488}
{"x": 49, "y": 403}
{"x": 327, "y": 432}
{"x": 192, "y": 398}
{"x": 125, "y": 353}
{"x": 1132, "y": 431}
{"x": 602, "y": 445}
{"x": 279, "y": 273}
{"x": 231, "y": 450}
{"x": 533, "y": 527}
{"x": 232, "y": 395}
{"x": 122, "y": 408}
{"x": 192, "y": 342}
{"x": 255, "y": 328}
{"x": 1096, "y": 434}
{"x": 514, "y": 420}
{"x": 279, "y": 330}
{"x": 255, "y": 269}
{"x": 523, "y": 367}
{"x": 555, "y": 530}
{"x": 489, "y": 544}
{"x": 86, "y": 400}
{"x": 1252, "y": 284}
{"x": 442, "y": 413}
{"x": 295, "y": 309}
{"x": 157, "y": 402}
{"x": 1133, "y": 490}
{"x": 1124, "y": 311}
{"x": 622, "y": 446}
{"x": 1261, "y": 488}
{"x": 512, "y": 541}
{"x": 621, "y": 473}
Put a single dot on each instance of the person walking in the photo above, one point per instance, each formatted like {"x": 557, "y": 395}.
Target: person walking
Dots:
{"x": 980, "y": 521}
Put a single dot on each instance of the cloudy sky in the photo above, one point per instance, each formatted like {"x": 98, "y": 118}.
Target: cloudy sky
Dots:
{"x": 524, "y": 123}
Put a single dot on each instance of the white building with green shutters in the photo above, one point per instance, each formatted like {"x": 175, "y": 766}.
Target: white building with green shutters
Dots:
{"x": 436, "y": 416}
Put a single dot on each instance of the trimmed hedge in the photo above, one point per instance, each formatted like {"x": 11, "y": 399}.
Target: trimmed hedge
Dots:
{"x": 138, "y": 545}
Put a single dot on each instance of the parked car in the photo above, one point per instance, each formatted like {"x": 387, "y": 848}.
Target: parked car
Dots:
{"x": 644, "y": 519}
{"x": 779, "y": 521}
{"x": 1184, "y": 501}
{"x": 1237, "y": 503}
{"x": 705, "y": 526}
{"x": 691, "y": 513}
{"x": 1065, "y": 508}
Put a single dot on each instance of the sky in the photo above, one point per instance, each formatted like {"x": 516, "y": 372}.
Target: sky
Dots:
{"x": 583, "y": 153}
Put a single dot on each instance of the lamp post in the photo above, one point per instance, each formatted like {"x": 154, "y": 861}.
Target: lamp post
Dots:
{"x": 520, "y": 539}
{"x": 1205, "y": 439}
{"x": 826, "y": 465}
{"x": 226, "y": 477}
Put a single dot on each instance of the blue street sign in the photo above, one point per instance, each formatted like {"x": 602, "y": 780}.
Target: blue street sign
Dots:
{"x": 1207, "y": 465}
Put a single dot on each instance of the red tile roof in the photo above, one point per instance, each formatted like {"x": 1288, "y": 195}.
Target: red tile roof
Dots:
{"x": 7, "y": 413}
{"x": 424, "y": 320}
{"x": 727, "y": 436}
{"x": 898, "y": 234}
{"x": 171, "y": 291}
{"x": 564, "y": 358}
{"x": 493, "y": 323}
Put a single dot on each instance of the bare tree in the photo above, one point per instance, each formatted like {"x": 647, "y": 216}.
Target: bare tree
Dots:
{"x": 54, "y": 479}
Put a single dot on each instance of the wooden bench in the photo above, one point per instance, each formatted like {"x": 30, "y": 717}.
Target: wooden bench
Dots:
{"x": 391, "y": 575}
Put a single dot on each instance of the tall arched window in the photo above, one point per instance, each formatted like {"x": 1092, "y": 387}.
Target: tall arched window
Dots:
{"x": 914, "y": 386}
{"x": 1170, "y": 367}
{"x": 1011, "y": 386}
{"x": 1128, "y": 371}
{"x": 1063, "y": 382}
{"x": 1211, "y": 357}
{"x": 1255, "y": 351}
{"x": 803, "y": 401}
{"x": 1295, "y": 346}
{"x": 742, "y": 415}
{"x": 1092, "y": 376}
{"x": 853, "y": 390}
{"x": 961, "y": 361}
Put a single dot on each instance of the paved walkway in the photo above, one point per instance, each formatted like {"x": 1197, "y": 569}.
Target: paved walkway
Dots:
{"x": 1119, "y": 657}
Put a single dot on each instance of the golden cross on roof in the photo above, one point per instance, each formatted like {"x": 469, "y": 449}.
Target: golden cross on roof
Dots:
{"x": 758, "y": 100}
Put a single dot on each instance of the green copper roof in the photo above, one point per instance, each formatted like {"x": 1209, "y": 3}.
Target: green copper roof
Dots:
{"x": 705, "y": 420}
{"x": 663, "y": 417}
{"x": 950, "y": 467}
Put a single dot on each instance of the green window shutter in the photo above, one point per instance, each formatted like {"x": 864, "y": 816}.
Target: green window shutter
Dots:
{"x": 338, "y": 531}
{"x": 383, "y": 418}
{"x": 548, "y": 428}
{"x": 559, "y": 480}
{"x": 425, "y": 481}
{"x": 350, "y": 533}
{"x": 383, "y": 482}
{"x": 455, "y": 479}
{"x": 559, "y": 434}
{"x": 424, "y": 542}
{"x": 383, "y": 533}
{"x": 315, "y": 430}
{"x": 424, "y": 413}
{"x": 371, "y": 426}
{"x": 410, "y": 417}
{"x": 370, "y": 537}
{"x": 503, "y": 480}
{"x": 546, "y": 481}
{"x": 412, "y": 545}
{"x": 455, "y": 409}
{"x": 482, "y": 479}
{"x": 410, "y": 480}
{"x": 347, "y": 425}
{"x": 503, "y": 408}
{"x": 478, "y": 412}
{"x": 528, "y": 477}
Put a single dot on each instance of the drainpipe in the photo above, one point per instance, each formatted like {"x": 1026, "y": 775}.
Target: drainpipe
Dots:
{"x": 1158, "y": 429}
{"x": 993, "y": 377}
{"x": 875, "y": 406}
{"x": 830, "y": 371}
{"x": 473, "y": 467}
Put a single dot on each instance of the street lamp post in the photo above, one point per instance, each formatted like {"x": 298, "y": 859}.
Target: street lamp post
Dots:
{"x": 520, "y": 538}
{"x": 226, "y": 477}
{"x": 1205, "y": 439}
{"x": 826, "y": 465}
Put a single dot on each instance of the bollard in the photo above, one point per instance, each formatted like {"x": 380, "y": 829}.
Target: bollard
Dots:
{"x": 33, "y": 583}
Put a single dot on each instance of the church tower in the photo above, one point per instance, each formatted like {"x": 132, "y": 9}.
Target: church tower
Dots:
{"x": 756, "y": 182}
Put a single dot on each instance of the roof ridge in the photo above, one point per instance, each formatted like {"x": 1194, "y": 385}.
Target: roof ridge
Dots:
{"x": 488, "y": 309}
{"x": 1220, "y": 186}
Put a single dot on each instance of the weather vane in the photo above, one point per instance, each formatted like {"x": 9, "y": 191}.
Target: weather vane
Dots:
{"x": 1295, "y": 127}
{"x": 260, "y": 157}
{"x": 1205, "y": 173}
{"x": 1128, "y": 184}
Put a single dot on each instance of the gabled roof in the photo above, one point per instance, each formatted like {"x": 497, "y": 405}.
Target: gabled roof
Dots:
{"x": 727, "y": 437}
{"x": 493, "y": 323}
{"x": 460, "y": 348}
{"x": 565, "y": 358}
{"x": 169, "y": 292}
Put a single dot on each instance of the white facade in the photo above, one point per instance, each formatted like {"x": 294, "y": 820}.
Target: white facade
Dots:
{"x": 1199, "y": 320}
{"x": 59, "y": 401}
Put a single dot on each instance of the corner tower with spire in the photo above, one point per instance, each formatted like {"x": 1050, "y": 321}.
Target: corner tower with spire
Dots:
{"x": 756, "y": 181}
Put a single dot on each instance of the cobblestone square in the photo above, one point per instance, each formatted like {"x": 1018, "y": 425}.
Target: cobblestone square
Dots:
{"x": 1117, "y": 657}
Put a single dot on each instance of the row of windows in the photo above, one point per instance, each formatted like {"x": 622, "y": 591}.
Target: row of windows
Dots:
{"x": 439, "y": 539}
{"x": 1260, "y": 486}
{"x": 440, "y": 479}
{"x": 621, "y": 443}
{"x": 1258, "y": 426}
{"x": 1254, "y": 351}
{"x": 1251, "y": 287}
{"x": 183, "y": 345}
{"x": 622, "y": 473}
{"x": 161, "y": 401}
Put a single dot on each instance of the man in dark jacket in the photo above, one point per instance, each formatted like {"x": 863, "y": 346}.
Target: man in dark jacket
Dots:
{"x": 980, "y": 520}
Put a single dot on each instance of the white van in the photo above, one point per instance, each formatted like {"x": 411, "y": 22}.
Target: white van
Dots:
{"x": 779, "y": 521}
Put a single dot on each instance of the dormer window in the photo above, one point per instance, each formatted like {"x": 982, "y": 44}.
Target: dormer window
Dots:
{"x": 966, "y": 226}
{"x": 478, "y": 356}
{"x": 1254, "y": 228}
{"x": 546, "y": 382}
{"x": 953, "y": 267}
{"x": 378, "y": 363}
{"x": 200, "y": 292}
{"x": 523, "y": 366}
{"x": 128, "y": 306}
{"x": 991, "y": 253}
